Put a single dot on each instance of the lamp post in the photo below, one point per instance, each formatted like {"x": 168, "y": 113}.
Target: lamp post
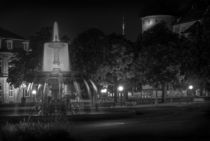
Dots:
{"x": 190, "y": 89}
{"x": 120, "y": 89}
{"x": 34, "y": 95}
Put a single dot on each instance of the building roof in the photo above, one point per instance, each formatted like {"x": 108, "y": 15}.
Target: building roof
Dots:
{"x": 192, "y": 15}
{"x": 8, "y": 34}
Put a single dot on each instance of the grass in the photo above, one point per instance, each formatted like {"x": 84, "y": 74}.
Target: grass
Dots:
{"x": 24, "y": 130}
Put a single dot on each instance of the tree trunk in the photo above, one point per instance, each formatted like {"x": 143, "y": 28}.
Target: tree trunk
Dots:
{"x": 115, "y": 94}
{"x": 126, "y": 95}
{"x": 163, "y": 92}
{"x": 156, "y": 96}
{"x": 201, "y": 91}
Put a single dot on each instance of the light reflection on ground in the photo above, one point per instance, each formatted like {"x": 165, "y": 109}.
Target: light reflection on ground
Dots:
{"x": 106, "y": 124}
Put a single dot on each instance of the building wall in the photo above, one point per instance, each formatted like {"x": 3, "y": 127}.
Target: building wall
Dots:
{"x": 7, "y": 93}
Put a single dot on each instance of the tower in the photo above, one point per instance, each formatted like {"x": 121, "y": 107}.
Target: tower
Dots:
{"x": 123, "y": 26}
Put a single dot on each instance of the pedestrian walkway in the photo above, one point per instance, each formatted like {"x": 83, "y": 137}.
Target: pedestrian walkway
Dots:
{"x": 24, "y": 111}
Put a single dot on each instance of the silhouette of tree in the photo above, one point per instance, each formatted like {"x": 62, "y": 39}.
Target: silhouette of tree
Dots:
{"x": 158, "y": 63}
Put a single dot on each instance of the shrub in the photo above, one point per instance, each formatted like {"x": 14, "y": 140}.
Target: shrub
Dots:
{"x": 23, "y": 131}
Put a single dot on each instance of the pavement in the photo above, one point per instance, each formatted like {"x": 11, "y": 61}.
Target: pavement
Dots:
{"x": 166, "y": 121}
{"x": 23, "y": 111}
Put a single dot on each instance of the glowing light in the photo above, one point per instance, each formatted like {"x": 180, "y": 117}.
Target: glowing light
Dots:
{"x": 129, "y": 94}
{"x": 103, "y": 90}
{"x": 77, "y": 88}
{"x": 39, "y": 86}
{"x": 33, "y": 92}
{"x": 23, "y": 85}
{"x": 150, "y": 23}
{"x": 29, "y": 85}
{"x": 94, "y": 86}
{"x": 44, "y": 89}
{"x": 88, "y": 88}
{"x": 190, "y": 87}
{"x": 120, "y": 88}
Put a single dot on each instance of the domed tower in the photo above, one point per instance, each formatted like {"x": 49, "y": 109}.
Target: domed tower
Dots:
{"x": 149, "y": 21}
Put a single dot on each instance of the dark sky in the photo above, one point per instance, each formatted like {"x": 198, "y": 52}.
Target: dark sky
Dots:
{"x": 27, "y": 17}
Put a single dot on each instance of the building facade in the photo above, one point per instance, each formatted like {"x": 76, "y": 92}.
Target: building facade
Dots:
{"x": 8, "y": 43}
{"x": 181, "y": 26}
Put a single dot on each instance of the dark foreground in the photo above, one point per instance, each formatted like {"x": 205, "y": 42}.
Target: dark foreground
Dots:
{"x": 188, "y": 122}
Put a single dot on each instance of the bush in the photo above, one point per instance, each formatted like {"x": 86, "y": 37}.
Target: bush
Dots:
{"x": 35, "y": 131}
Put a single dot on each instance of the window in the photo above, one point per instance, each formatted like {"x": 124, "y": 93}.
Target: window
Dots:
{"x": 9, "y": 44}
{"x": 11, "y": 91}
{"x": 26, "y": 46}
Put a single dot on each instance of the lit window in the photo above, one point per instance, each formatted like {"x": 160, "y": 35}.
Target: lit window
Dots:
{"x": 9, "y": 44}
{"x": 26, "y": 46}
{"x": 11, "y": 91}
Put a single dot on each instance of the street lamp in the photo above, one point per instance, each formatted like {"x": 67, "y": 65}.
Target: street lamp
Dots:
{"x": 190, "y": 87}
{"x": 120, "y": 89}
{"x": 34, "y": 94}
{"x": 190, "y": 91}
{"x": 23, "y": 98}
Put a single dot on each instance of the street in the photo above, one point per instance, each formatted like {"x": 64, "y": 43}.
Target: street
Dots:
{"x": 162, "y": 123}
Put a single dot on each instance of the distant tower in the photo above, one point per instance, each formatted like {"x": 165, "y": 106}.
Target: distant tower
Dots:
{"x": 123, "y": 26}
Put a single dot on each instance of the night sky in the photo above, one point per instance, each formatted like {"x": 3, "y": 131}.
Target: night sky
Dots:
{"x": 25, "y": 18}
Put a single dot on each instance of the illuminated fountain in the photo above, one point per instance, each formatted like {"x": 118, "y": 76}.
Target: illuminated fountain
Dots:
{"x": 60, "y": 86}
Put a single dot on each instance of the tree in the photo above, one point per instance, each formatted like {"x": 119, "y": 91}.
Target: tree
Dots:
{"x": 159, "y": 59}
{"x": 197, "y": 65}
{"x": 25, "y": 65}
{"x": 117, "y": 66}
{"x": 87, "y": 51}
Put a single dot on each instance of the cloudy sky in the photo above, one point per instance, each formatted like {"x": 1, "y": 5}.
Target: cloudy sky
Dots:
{"x": 27, "y": 17}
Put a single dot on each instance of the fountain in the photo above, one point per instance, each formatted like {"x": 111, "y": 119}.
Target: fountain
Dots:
{"x": 61, "y": 87}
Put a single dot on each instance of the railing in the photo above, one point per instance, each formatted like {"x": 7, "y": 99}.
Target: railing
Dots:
{"x": 87, "y": 105}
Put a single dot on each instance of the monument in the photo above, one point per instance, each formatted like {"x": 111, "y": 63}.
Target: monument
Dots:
{"x": 56, "y": 54}
{"x": 61, "y": 86}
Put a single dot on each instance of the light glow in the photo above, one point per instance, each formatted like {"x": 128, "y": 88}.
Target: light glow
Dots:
{"x": 120, "y": 88}
{"x": 190, "y": 87}
{"x": 103, "y": 90}
{"x": 33, "y": 92}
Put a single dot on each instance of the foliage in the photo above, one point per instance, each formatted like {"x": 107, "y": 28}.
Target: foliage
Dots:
{"x": 25, "y": 65}
{"x": 197, "y": 65}
{"x": 158, "y": 61}
{"x": 17, "y": 68}
{"x": 23, "y": 131}
{"x": 87, "y": 51}
{"x": 117, "y": 66}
